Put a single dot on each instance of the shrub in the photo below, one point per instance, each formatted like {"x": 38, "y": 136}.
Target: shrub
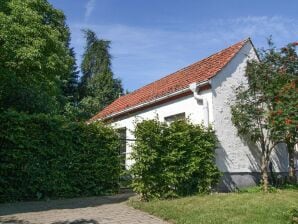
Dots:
{"x": 173, "y": 160}
{"x": 256, "y": 189}
{"x": 292, "y": 214}
{"x": 44, "y": 156}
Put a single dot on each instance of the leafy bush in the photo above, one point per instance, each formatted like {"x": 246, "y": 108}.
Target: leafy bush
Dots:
{"x": 292, "y": 214}
{"x": 48, "y": 156}
{"x": 173, "y": 160}
{"x": 256, "y": 189}
{"x": 271, "y": 189}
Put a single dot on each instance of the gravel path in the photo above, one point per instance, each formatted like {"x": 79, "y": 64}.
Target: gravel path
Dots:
{"x": 92, "y": 210}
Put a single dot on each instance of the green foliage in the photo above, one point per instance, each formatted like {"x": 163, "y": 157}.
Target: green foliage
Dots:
{"x": 270, "y": 101}
{"x": 251, "y": 108}
{"x": 257, "y": 189}
{"x": 35, "y": 60}
{"x": 265, "y": 110}
{"x": 284, "y": 92}
{"x": 45, "y": 156}
{"x": 294, "y": 215}
{"x": 254, "y": 189}
{"x": 98, "y": 87}
{"x": 289, "y": 186}
{"x": 173, "y": 160}
{"x": 70, "y": 88}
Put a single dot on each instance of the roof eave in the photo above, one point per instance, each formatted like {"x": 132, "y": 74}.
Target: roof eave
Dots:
{"x": 148, "y": 103}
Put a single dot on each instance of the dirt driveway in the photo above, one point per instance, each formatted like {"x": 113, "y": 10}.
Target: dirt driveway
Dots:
{"x": 92, "y": 210}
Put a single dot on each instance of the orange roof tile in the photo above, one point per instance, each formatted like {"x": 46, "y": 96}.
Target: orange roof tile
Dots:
{"x": 200, "y": 71}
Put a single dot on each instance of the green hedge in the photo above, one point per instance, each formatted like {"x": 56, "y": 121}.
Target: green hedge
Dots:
{"x": 44, "y": 156}
{"x": 173, "y": 160}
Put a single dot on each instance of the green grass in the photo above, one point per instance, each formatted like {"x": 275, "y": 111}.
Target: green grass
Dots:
{"x": 235, "y": 208}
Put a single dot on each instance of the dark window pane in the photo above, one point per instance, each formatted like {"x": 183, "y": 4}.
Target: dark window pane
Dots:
{"x": 122, "y": 150}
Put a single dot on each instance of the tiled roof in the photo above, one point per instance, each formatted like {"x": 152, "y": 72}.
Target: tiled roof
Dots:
{"x": 200, "y": 71}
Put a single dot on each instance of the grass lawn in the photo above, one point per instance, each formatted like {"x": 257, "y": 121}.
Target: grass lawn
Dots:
{"x": 225, "y": 208}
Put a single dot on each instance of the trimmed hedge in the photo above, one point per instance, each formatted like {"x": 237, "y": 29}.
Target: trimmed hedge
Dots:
{"x": 173, "y": 160}
{"x": 44, "y": 156}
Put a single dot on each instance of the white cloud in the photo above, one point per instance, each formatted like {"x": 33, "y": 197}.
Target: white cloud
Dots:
{"x": 259, "y": 27}
{"x": 142, "y": 55}
{"x": 88, "y": 9}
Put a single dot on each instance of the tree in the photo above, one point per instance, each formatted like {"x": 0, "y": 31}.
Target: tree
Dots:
{"x": 70, "y": 89}
{"x": 257, "y": 111}
{"x": 98, "y": 87}
{"x": 284, "y": 116}
{"x": 35, "y": 60}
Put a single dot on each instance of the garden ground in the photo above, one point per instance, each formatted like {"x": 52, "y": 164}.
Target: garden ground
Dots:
{"x": 91, "y": 210}
{"x": 257, "y": 207}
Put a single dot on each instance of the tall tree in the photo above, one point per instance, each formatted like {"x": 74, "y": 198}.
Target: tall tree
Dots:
{"x": 35, "y": 60}
{"x": 265, "y": 110}
{"x": 70, "y": 88}
{"x": 98, "y": 87}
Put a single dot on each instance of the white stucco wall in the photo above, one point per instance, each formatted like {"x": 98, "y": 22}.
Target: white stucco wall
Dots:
{"x": 233, "y": 154}
{"x": 187, "y": 104}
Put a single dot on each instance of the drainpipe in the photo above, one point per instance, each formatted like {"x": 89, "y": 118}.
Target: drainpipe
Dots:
{"x": 195, "y": 88}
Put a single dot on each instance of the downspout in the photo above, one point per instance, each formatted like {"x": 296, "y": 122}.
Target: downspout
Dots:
{"x": 195, "y": 88}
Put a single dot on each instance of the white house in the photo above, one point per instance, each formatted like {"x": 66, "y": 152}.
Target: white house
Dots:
{"x": 202, "y": 91}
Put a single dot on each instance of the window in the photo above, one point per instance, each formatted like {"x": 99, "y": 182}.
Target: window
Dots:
{"x": 175, "y": 117}
{"x": 122, "y": 150}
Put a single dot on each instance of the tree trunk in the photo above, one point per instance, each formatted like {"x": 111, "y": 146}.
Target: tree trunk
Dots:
{"x": 292, "y": 173}
{"x": 264, "y": 172}
{"x": 291, "y": 164}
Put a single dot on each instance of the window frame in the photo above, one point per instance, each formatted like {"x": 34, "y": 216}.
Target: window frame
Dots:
{"x": 175, "y": 117}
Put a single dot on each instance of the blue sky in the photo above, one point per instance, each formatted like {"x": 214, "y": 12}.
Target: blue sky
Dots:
{"x": 152, "y": 38}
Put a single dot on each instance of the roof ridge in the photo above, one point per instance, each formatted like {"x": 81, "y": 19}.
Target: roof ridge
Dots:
{"x": 208, "y": 57}
{"x": 188, "y": 66}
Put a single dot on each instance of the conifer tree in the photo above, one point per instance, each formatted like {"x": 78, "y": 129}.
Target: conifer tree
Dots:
{"x": 98, "y": 87}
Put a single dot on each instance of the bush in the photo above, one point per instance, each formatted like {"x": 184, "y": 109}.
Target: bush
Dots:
{"x": 292, "y": 214}
{"x": 257, "y": 189}
{"x": 173, "y": 160}
{"x": 44, "y": 156}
